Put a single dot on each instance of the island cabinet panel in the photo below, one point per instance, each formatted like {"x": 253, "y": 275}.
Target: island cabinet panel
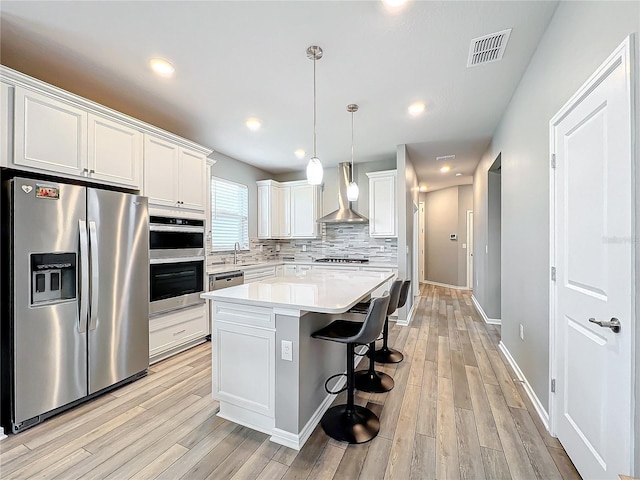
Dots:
{"x": 244, "y": 367}
{"x": 50, "y": 134}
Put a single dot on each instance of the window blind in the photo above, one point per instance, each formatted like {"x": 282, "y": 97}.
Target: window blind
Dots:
{"x": 229, "y": 215}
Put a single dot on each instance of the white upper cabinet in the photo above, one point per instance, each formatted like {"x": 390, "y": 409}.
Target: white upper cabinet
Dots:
{"x": 45, "y": 129}
{"x": 305, "y": 210}
{"x": 288, "y": 209}
{"x": 192, "y": 174}
{"x": 49, "y": 134}
{"x": 115, "y": 152}
{"x": 383, "y": 212}
{"x": 173, "y": 176}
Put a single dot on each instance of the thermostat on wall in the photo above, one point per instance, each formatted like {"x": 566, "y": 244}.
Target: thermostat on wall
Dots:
{"x": 453, "y": 236}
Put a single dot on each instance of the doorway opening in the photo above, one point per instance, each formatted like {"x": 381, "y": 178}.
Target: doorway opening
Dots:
{"x": 494, "y": 234}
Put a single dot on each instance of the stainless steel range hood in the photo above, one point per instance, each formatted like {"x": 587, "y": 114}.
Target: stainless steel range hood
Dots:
{"x": 344, "y": 214}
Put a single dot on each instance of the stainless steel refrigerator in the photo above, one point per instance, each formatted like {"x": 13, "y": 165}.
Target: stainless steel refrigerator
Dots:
{"x": 78, "y": 292}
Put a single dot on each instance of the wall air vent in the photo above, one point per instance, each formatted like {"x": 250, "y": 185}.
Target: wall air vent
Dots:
{"x": 488, "y": 48}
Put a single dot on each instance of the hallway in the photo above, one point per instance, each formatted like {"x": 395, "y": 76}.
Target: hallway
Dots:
{"x": 455, "y": 413}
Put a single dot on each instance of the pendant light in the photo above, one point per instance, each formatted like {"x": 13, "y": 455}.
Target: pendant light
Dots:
{"x": 314, "y": 167}
{"x": 352, "y": 190}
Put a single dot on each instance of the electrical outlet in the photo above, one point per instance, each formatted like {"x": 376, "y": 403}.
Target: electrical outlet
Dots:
{"x": 382, "y": 248}
{"x": 521, "y": 332}
{"x": 304, "y": 248}
{"x": 287, "y": 350}
{"x": 261, "y": 248}
{"x": 277, "y": 247}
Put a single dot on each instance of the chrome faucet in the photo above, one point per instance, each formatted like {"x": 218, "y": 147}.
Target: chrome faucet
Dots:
{"x": 236, "y": 247}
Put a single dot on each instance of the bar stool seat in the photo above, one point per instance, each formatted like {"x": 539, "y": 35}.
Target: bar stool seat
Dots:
{"x": 349, "y": 422}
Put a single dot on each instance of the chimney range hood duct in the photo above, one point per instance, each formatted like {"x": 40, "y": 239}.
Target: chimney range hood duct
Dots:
{"x": 344, "y": 214}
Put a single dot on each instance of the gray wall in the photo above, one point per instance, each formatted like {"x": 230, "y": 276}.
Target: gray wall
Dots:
{"x": 240, "y": 172}
{"x": 330, "y": 181}
{"x": 578, "y": 39}
{"x": 446, "y": 213}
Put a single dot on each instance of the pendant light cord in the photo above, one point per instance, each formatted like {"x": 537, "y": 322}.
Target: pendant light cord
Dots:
{"x": 314, "y": 108}
{"x": 352, "y": 147}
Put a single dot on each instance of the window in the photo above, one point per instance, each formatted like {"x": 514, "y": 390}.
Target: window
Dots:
{"x": 229, "y": 215}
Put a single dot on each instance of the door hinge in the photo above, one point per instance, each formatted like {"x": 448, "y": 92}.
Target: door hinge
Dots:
{"x": 553, "y": 385}
{"x": 553, "y": 274}
{"x": 553, "y": 160}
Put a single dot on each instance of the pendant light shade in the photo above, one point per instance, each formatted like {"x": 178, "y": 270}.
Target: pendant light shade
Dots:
{"x": 314, "y": 171}
{"x": 314, "y": 167}
{"x": 352, "y": 190}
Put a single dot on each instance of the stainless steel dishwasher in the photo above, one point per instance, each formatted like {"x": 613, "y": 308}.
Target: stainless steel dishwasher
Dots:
{"x": 224, "y": 280}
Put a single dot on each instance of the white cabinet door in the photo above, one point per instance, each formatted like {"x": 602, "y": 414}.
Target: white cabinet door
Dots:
{"x": 161, "y": 171}
{"x": 192, "y": 180}
{"x": 289, "y": 270}
{"x": 167, "y": 333}
{"x": 280, "y": 271}
{"x": 264, "y": 211}
{"x": 115, "y": 152}
{"x": 49, "y": 134}
{"x": 304, "y": 211}
{"x": 383, "y": 217}
{"x": 284, "y": 211}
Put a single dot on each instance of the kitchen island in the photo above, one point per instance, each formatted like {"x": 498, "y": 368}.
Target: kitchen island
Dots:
{"x": 268, "y": 373}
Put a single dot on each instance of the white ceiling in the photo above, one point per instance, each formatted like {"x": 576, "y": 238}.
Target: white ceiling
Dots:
{"x": 240, "y": 59}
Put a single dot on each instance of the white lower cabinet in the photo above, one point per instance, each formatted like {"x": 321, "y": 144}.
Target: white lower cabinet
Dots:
{"x": 244, "y": 352}
{"x": 176, "y": 331}
{"x": 290, "y": 269}
{"x": 260, "y": 273}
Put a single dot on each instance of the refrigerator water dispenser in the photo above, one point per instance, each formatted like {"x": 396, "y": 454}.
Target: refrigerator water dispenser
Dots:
{"x": 53, "y": 277}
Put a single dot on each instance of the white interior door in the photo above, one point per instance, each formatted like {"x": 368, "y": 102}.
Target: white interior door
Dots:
{"x": 470, "y": 249}
{"x": 593, "y": 225}
{"x": 421, "y": 244}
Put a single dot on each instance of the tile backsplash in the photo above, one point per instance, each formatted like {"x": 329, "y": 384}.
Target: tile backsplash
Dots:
{"x": 337, "y": 240}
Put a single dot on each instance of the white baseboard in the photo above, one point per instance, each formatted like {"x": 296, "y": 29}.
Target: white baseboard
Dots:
{"x": 2, "y": 435}
{"x": 491, "y": 321}
{"x": 291, "y": 440}
{"x": 537, "y": 404}
{"x": 446, "y": 285}
{"x": 406, "y": 322}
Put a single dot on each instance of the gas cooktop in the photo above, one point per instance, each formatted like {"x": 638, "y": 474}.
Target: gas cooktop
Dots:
{"x": 341, "y": 260}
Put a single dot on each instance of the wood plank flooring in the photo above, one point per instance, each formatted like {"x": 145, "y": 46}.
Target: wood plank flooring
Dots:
{"x": 455, "y": 413}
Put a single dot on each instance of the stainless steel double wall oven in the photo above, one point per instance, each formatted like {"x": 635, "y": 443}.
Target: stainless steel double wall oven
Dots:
{"x": 176, "y": 273}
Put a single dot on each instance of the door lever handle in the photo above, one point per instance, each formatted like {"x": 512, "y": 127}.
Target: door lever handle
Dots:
{"x": 613, "y": 324}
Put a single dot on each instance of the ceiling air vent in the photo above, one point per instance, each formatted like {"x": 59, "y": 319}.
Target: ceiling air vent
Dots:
{"x": 488, "y": 48}
{"x": 445, "y": 158}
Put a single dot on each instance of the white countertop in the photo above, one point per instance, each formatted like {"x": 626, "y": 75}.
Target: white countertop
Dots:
{"x": 230, "y": 267}
{"x": 313, "y": 291}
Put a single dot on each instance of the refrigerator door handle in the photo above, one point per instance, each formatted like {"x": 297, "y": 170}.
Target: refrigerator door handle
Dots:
{"x": 93, "y": 239}
{"x": 84, "y": 277}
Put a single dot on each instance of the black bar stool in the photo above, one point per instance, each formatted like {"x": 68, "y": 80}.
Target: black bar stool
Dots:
{"x": 386, "y": 354}
{"x": 371, "y": 380}
{"x": 349, "y": 422}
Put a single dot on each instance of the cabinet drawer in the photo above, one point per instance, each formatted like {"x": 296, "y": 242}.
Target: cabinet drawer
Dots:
{"x": 243, "y": 315}
{"x": 169, "y": 331}
{"x": 258, "y": 274}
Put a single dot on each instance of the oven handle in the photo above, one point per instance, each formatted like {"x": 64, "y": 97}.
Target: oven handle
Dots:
{"x": 155, "y": 261}
{"x": 176, "y": 228}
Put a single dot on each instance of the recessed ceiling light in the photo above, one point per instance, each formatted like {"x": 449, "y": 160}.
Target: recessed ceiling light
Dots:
{"x": 445, "y": 169}
{"x": 458, "y": 174}
{"x": 394, "y": 3}
{"x": 300, "y": 153}
{"x": 253, "y": 124}
{"x": 423, "y": 188}
{"x": 161, "y": 67}
{"x": 416, "y": 108}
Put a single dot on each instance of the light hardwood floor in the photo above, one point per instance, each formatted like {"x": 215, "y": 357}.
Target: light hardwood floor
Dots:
{"x": 455, "y": 413}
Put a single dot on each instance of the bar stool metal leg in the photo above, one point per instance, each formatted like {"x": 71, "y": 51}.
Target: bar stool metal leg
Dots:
{"x": 370, "y": 380}
{"x": 350, "y": 423}
{"x": 386, "y": 354}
